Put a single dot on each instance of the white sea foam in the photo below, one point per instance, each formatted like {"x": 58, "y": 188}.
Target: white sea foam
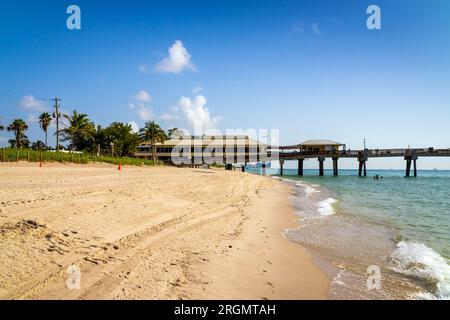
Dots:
{"x": 419, "y": 261}
{"x": 308, "y": 188}
{"x": 325, "y": 207}
{"x": 337, "y": 278}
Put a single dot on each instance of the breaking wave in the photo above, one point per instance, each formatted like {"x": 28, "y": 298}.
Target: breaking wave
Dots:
{"x": 325, "y": 207}
{"x": 423, "y": 263}
{"x": 308, "y": 188}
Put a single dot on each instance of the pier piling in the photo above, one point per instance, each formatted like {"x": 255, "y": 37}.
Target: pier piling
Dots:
{"x": 321, "y": 160}
{"x": 362, "y": 168}
{"x": 408, "y": 168}
{"x": 281, "y": 167}
{"x": 415, "y": 168}
{"x": 300, "y": 167}
{"x": 411, "y": 160}
{"x": 362, "y": 159}
{"x": 335, "y": 167}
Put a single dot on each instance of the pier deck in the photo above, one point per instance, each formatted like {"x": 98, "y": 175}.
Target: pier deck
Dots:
{"x": 410, "y": 156}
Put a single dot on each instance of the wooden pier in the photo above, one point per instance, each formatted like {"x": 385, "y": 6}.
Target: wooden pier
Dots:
{"x": 409, "y": 155}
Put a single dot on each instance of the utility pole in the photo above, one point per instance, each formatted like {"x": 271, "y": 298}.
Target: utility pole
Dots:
{"x": 364, "y": 143}
{"x": 57, "y": 115}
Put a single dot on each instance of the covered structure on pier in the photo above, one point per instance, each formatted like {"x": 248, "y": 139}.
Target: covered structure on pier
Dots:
{"x": 315, "y": 146}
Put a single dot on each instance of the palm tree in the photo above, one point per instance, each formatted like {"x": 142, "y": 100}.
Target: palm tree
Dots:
{"x": 174, "y": 132}
{"x": 79, "y": 130}
{"x": 38, "y": 145}
{"x": 152, "y": 132}
{"x": 24, "y": 142}
{"x": 18, "y": 127}
{"x": 44, "y": 121}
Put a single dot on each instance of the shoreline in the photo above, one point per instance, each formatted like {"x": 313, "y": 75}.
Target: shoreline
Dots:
{"x": 149, "y": 233}
{"x": 330, "y": 237}
{"x": 288, "y": 271}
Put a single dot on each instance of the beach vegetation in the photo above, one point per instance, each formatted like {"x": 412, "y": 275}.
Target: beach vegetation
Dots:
{"x": 121, "y": 135}
{"x": 174, "y": 133}
{"x": 18, "y": 127}
{"x": 45, "y": 119}
{"x": 38, "y": 145}
{"x": 86, "y": 142}
{"x": 79, "y": 131}
{"x": 43, "y": 155}
{"x": 152, "y": 132}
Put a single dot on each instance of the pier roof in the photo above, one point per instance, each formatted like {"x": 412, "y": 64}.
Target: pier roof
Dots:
{"x": 312, "y": 143}
{"x": 320, "y": 143}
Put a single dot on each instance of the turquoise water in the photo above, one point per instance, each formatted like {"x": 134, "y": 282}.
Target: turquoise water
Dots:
{"x": 413, "y": 213}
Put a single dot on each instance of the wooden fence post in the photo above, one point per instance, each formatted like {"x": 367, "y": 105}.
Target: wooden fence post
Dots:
{"x": 17, "y": 156}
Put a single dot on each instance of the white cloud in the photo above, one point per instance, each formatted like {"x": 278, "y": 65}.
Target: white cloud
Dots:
{"x": 197, "y": 89}
{"x": 32, "y": 104}
{"x": 143, "y": 112}
{"x": 143, "y": 96}
{"x": 177, "y": 61}
{"x": 316, "y": 28}
{"x": 134, "y": 126}
{"x": 169, "y": 117}
{"x": 197, "y": 114}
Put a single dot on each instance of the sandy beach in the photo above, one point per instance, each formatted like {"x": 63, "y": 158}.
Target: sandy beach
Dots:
{"x": 149, "y": 233}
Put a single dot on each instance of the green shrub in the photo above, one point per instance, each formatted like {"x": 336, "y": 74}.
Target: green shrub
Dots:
{"x": 13, "y": 155}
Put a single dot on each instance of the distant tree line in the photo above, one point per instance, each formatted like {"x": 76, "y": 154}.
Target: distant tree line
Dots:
{"x": 81, "y": 134}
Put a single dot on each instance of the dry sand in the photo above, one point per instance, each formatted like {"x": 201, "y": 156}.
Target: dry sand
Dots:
{"x": 148, "y": 233}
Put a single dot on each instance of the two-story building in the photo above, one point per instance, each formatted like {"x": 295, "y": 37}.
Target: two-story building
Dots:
{"x": 223, "y": 149}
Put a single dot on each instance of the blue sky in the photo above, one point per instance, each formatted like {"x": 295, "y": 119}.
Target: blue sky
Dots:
{"x": 309, "y": 68}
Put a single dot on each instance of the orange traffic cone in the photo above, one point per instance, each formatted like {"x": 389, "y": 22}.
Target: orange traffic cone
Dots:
{"x": 120, "y": 167}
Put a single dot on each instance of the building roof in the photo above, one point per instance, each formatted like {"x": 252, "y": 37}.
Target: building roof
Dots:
{"x": 312, "y": 143}
{"x": 320, "y": 143}
{"x": 209, "y": 141}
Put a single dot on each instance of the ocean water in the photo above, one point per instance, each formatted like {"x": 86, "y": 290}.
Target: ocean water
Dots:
{"x": 353, "y": 224}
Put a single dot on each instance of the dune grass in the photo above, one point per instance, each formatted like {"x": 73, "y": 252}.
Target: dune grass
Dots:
{"x": 14, "y": 155}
